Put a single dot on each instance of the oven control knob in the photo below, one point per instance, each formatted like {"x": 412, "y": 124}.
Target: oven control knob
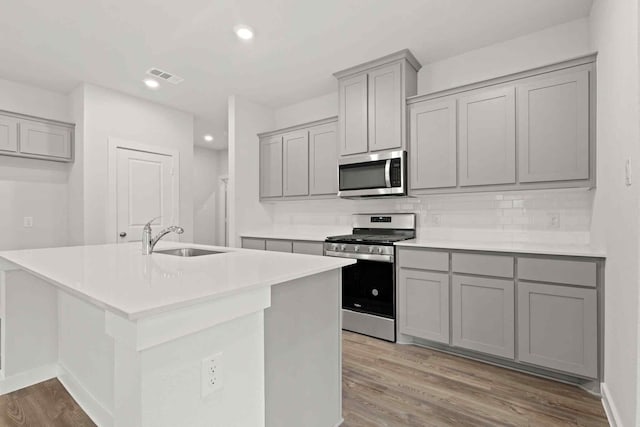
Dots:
{"x": 356, "y": 248}
{"x": 380, "y": 250}
{"x": 343, "y": 247}
{"x": 334, "y": 247}
{"x": 371, "y": 248}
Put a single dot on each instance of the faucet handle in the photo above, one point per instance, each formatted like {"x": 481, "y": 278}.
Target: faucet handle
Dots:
{"x": 147, "y": 226}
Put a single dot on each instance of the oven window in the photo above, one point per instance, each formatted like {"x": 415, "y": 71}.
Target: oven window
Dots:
{"x": 368, "y": 287}
{"x": 362, "y": 176}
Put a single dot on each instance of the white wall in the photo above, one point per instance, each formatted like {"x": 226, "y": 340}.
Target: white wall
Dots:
{"x": 34, "y": 188}
{"x": 507, "y": 216}
{"x": 246, "y": 119}
{"x": 105, "y": 113}
{"x": 208, "y": 166}
{"x": 614, "y": 29}
{"x": 529, "y": 51}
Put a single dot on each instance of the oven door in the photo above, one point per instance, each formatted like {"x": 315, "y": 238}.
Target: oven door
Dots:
{"x": 369, "y": 287}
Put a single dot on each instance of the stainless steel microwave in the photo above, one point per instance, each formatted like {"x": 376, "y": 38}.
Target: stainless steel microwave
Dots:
{"x": 373, "y": 175}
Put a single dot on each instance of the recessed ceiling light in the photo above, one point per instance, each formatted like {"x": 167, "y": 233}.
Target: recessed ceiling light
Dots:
{"x": 151, "y": 83}
{"x": 243, "y": 32}
{"x": 208, "y": 138}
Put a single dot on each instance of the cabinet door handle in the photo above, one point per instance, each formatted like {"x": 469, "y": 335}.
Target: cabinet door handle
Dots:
{"x": 123, "y": 234}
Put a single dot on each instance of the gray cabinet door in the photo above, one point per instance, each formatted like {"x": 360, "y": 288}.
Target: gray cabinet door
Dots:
{"x": 47, "y": 140}
{"x": 423, "y": 309}
{"x": 553, "y": 128}
{"x": 271, "y": 167}
{"x": 279, "y": 245}
{"x": 8, "y": 134}
{"x": 558, "y": 328}
{"x": 296, "y": 163}
{"x": 483, "y": 315}
{"x": 353, "y": 115}
{"x": 308, "y": 248}
{"x": 432, "y": 143}
{"x": 251, "y": 243}
{"x": 488, "y": 137}
{"x": 323, "y": 159}
{"x": 385, "y": 107}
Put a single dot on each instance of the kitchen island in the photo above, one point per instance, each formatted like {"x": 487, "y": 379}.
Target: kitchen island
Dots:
{"x": 236, "y": 338}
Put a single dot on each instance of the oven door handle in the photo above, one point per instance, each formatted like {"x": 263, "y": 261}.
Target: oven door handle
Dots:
{"x": 365, "y": 257}
{"x": 387, "y": 173}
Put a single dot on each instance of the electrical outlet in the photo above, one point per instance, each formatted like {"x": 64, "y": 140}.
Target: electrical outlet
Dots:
{"x": 212, "y": 374}
{"x": 554, "y": 220}
{"x": 28, "y": 221}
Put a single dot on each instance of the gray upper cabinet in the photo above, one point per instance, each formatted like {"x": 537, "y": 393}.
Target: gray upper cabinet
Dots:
{"x": 424, "y": 304}
{"x": 483, "y": 315}
{"x": 553, "y": 128}
{"x": 271, "y": 167}
{"x": 432, "y": 144}
{"x": 26, "y": 136}
{"x": 300, "y": 162}
{"x": 296, "y": 163}
{"x": 8, "y": 134}
{"x": 488, "y": 137}
{"x": 43, "y": 139}
{"x": 385, "y": 108}
{"x": 353, "y": 115}
{"x": 372, "y": 103}
{"x": 558, "y": 328}
{"x": 323, "y": 155}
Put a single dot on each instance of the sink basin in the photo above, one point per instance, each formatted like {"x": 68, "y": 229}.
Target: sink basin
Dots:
{"x": 187, "y": 252}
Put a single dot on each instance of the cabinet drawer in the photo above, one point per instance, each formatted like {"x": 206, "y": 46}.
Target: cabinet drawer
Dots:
{"x": 249, "y": 243}
{"x": 279, "y": 245}
{"x": 424, "y": 259}
{"x": 484, "y": 265}
{"x": 581, "y": 273}
{"x": 308, "y": 248}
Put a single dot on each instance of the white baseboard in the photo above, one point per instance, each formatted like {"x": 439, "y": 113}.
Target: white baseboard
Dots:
{"x": 339, "y": 422}
{"x": 98, "y": 414}
{"x": 28, "y": 378}
{"x": 609, "y": 407}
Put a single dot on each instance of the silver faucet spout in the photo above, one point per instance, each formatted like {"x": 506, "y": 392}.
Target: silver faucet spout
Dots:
{"x": 148, "y": 242}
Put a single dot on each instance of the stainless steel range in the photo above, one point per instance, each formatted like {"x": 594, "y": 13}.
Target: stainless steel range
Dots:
{"x": 368, "y": 287}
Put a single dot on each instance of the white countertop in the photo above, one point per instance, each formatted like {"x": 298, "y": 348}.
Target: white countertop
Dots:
{"x": 513, "y": 247}
{"x": 119, "y": 278}
{"x": 307, "y": 233}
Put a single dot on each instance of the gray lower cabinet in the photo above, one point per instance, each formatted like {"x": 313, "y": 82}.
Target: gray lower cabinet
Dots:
{"x": 271, "y": 167}
{"x": 487, "y": 137}
{"x": 423, "y": 306}
{"x": 483, "y": 315}
{"x": 251, "y": 243}
{"x": 8, "y": 134}
{"x": 553, "y": 128}
{"x": 432, "y": 143}
{"x": 558, "y": 328}
{"x": 295, "y": 152}
{"x": 308, "y": 248}
{"x": 323, "y": 155}
{"x": 279, "y": 245}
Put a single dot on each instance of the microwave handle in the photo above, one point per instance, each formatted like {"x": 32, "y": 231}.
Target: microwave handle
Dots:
{"x": 387, "y": 173}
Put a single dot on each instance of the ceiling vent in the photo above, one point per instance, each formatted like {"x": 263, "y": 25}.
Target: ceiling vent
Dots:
{"x": 161, "y": 74}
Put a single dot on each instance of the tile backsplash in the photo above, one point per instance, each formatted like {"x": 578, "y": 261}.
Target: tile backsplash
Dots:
{"x": 561, "y": 216}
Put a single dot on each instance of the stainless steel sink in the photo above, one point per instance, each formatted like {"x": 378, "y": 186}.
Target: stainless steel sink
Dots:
{"x": 187, "y": 252}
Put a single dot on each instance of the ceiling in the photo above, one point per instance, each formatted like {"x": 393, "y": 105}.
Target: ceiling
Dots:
{"x": 298, "y": 44}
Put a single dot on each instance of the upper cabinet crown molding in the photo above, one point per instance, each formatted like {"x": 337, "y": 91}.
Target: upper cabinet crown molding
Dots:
{"x": 393, "y": 57}
{"x": 301, "y": 126}
{"x": 32, "y": 137}
{"x": 372, "y": 103}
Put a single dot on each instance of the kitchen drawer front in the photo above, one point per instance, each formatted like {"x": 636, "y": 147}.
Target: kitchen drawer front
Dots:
{"x": 483, "y": 265}
{"x": 424, "y": 259}
{"x": 580, "y": 273}
{"x": 279, "y": 245}
{"x": 249, "y": 243}
{"x": 308, "y": 248}
{"x": 558, "y": 327}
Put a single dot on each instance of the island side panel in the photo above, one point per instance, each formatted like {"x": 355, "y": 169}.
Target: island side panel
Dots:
{"x": 303, "y": 345}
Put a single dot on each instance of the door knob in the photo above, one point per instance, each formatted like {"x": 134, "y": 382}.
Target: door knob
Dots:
{"x": 123, "y": 234}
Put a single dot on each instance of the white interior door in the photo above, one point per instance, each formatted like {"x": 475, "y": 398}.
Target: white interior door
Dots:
{"x": 146, "y": 188}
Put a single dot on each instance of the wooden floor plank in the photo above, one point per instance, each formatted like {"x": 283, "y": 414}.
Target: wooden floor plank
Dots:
{"x": 386, "y": 385}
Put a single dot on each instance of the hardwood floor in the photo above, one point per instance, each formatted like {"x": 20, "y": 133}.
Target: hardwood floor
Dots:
{"x": 385, "y": 385}
{"x": 47, "y": 404}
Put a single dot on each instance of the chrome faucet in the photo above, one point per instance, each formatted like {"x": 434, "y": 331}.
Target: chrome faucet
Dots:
{"x": 148, "y": 242}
